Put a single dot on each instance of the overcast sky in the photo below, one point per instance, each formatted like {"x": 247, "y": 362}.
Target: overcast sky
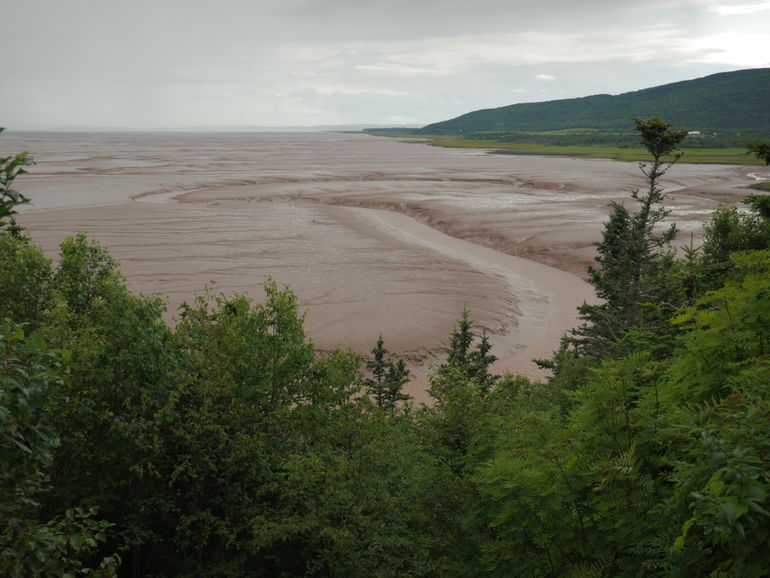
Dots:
{"x": 213, "y": 63}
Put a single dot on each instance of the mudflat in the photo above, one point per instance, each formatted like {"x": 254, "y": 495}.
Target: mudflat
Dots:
{"x": 375, "y": 236}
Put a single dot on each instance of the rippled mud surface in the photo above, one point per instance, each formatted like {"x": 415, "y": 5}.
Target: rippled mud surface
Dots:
{"x": 338, "y": 217}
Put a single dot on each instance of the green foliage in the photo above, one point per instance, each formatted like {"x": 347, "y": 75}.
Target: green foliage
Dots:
{"x": 760, "y": 204}
{"x": 263, "y": 351}
{"x": 729, "y": 327}
{"x": 29, "y": 376}
{"x": 26, "y": 276}
{"x": 87, "y": 277}
{"x": 572, "y": 494}
{"x": 459, "y": 430}
{"x": 11, "y": 167}
{"x": 465, "y": 365}
{"x": 621, "y": 147}
{"x": 387, "y": 379}
{"x": 638, "y": 466}
{"x": 368, "y": 504}
{"x": 117, "y": 399}
{"x": 460, "y": 387}
{"x": 760, "y": 149}
{"x": 32, "y": 377}
{"x": 56, "y": 548}
{"x": 658, "y": 138}
{"x": 720, "y": 384}
{"x": 731, "y": 230}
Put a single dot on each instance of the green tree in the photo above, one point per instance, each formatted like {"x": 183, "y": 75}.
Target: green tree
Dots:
{"x": 249, "y": 448}
{"x": 387, "y": 378}
{"x": 31, "y": 379}
{"x": 760, "y": 149}
{"x": 760, "y": 204}
{"x": 460, "y": 387}
{"x": 367, "y": 499}
{"x": 457, "y": 430}
{"x": 635, "y": 259}
{"x": 118, "y": 400}
{"x": 26, "y": 281}
{"x": 396, "y": 377}
{"x": 731, "y": 230}
{"x": 465, "y": 365}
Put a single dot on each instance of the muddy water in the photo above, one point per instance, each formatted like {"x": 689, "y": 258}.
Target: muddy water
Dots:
{"x": 180, "y": 210}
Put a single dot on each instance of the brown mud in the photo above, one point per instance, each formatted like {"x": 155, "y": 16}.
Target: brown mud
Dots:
{"x": 373, "y": 235}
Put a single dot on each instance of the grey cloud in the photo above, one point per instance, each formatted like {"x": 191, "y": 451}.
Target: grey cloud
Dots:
{"x": 176, "y": 62}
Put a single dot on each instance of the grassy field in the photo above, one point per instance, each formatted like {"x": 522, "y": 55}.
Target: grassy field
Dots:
{"x": 735, "y": 156}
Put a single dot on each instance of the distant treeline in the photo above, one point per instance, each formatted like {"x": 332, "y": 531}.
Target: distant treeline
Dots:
{"x": 725, "y": 139}
{"x": 728, "y": 138}
{"x": 392, "y": 130}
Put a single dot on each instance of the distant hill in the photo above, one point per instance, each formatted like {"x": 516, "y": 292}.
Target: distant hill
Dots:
{"x": 737, "y": 100}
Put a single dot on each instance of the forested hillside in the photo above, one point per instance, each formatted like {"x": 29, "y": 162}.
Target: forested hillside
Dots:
{"x": 733, "y": 101}
{"x": 227, "y": 446}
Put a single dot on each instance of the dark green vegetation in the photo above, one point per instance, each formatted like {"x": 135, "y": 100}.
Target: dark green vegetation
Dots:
{"x": 229, "y": 447}
{"x": 760, "y": 150}
{"x": 734, "y": 101}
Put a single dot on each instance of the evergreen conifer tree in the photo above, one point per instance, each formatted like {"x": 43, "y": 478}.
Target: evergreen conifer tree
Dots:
{"x": 635, "y": 258}
{"x": 465, "y": 365}
{"x": 388, "y": 378}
